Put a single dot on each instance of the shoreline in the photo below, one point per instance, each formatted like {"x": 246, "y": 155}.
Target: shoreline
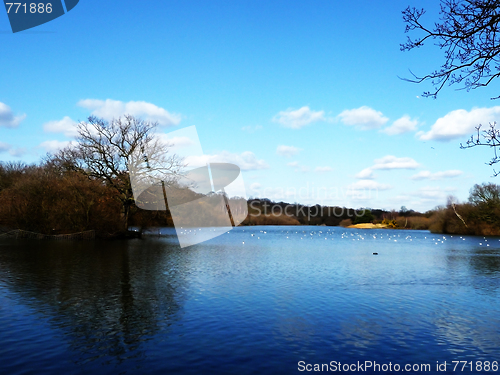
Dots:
{"x": 368, "y": 226}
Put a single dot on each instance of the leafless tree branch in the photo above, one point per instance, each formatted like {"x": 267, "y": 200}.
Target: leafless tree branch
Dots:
{"x": 468, "y": 32}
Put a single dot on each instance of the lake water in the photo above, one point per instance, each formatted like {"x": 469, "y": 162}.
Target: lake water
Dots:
{"x": 257, "y": 300}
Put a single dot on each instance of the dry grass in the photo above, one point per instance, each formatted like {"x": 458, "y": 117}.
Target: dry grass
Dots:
{"x": 270, "y": 219}
{"x": 346, "y": 223}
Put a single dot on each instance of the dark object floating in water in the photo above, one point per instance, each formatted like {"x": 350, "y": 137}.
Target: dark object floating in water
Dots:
{"x": 375, "y": 253}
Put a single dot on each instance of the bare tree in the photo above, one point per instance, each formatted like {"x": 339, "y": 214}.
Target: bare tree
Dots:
{"x": 469, "y": 33}
{"x": 485, "y": 194}
{"x": 107, "y": 151}
{"x": 488, "y": 138}
{"x": 452, "y": 202}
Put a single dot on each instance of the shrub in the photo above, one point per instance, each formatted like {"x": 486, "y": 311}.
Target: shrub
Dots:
{"x": 45, "y": 201}
{"x": 367, "y": 217}
{"x": 345, "y": 223}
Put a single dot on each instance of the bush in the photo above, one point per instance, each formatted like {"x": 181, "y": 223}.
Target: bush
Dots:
{"x": 45, "y": 201}
{"x": 418, "y": 222}
{"x": 346, "y": 223}
{"x": 367, "y": 217}
{"x": 270, "y": 220}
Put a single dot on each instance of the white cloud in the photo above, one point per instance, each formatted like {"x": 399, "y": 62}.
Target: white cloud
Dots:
{"x": 402, "y": 125}
{"x": 298, "y": 118}
{"x": 437, "y": 175}
{"x": 323, "y": 169}
{"x": 365, "y": 190}
{"x": 459, "y": 123}
{"x": 366, "y": 173}
{"x": 422, "y": 175}
{"x": 368, "y": 185}
{"x": 273, "y": 193}
{"x": 432, "y": 192}
{"x": 251, "y": 129}
{"x": 66, "y": 126}
{"x": 180, "y": 141}
{"x": 287, "y": 151}
{"x": 246, "y": 160}
{"x": 54, "y": 146}
{"x": 298, "y": 167}
{"x": 18, "y": 152}
{"x": 386, "y": 163}
{"x": 176, "y": 143}
{"x": 303, "y": 194}
{"x": 4, "y": 147}
{"x": 364, "y": 118}
{"x": 392, "y": 162}
{"x": 255, "y": 186}
{"x": 424, "y": 198}
{"x": 7, "y": 117}
{"x": 109, "y": 109}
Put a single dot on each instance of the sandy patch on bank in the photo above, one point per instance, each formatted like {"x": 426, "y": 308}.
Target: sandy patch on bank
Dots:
{"x": 368, "y": 226}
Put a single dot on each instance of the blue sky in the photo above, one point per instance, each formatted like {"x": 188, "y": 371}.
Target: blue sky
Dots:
{"x": 303, "y": 96}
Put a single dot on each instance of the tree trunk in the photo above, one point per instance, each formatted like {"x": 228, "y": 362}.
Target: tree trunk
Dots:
{"x": 124, "y": 216}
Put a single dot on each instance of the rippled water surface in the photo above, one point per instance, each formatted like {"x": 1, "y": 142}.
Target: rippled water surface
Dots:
{"x": 256, "y": 300}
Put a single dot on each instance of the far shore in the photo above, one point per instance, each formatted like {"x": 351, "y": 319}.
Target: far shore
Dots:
{"x": 368, "y": 226}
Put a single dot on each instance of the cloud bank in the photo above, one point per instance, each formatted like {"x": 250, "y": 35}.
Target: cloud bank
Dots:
{"x": 7, "y": 117}
{"x": 66, "y": 126}
{"x": 402, "y": 125}
{"x": 393, "y": 162}
{"x": 296, "y": 119}
{"x": 287, "y": 151}
{"x": 323, "y": 169}
{"x": 385, "y": 163}
{"x": 426, "y": 175}
{"x": 460, "y": 123}
{"x": 246, "y": 160}
{"x": 364, "y": 118}
{"x": 109, "y": 109}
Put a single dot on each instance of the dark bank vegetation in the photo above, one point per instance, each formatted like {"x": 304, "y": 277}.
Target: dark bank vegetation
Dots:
{"x": 479, "y": 216}
{"x": 109, "y": 152}
{"x": 51, "y": 199}
{"x": 266, "y": 212}
{"x": 87, "y": 186}
{"x": 46, "y": 200}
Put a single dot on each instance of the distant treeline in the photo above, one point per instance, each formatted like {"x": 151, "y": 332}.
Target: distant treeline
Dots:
{"x": 266, "y": 212}
{"x": 479, "y": 216}
{"x": 49, "y": 199}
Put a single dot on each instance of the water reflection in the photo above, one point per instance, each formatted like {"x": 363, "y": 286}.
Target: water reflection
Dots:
{"x": 255, "y": 300}
{"x": 486, "y": 262}
{"x": 107, "y": 297}
{"x": 477, "y": 265}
